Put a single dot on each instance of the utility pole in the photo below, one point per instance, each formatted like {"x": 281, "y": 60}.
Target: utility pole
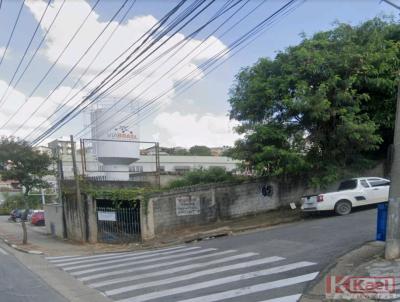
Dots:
{"x": 392, "y": 248}
{"x": 75, "y": 169}
{"x": 158, "y": 168}
{"x": 80, "y": 205}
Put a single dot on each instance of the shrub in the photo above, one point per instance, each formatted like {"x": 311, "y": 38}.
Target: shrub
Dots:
{"x": 203, "y": 176}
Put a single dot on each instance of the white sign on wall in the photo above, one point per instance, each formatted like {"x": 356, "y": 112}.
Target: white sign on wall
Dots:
{"x": 106, "y": 216}
{"x": 187, "y": 205}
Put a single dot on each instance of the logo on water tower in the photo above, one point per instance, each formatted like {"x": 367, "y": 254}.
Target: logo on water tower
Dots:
{"x": 122, "y": 133}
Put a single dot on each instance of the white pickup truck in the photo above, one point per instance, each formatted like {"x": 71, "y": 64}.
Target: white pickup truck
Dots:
{"x": 353, "y": 192}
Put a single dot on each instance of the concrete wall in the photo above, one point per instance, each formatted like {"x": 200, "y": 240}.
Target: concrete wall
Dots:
{"x": 200, "y": 205}
{"x": 53, "y": 218}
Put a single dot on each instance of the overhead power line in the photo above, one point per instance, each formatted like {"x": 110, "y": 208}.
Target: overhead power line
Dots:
{"x": 74, "y": 66}
{"x": 33, "y": 55}
{"x": 157, "y": 107}
{"x": 238, "y": 42}
{"x": 163, "y": 42}
{"x": 151, "y": 31}
{"x": 259, "y": 29}
{"x": 186, "y": 40}
{"x": 52, "y": 66}
{"x": 12, "y": 31}
{"x": 26, "y": 51}
{"x": 64, "y": 101}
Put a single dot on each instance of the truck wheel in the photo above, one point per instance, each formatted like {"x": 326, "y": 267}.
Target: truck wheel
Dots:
{"x": 343, "y": 207}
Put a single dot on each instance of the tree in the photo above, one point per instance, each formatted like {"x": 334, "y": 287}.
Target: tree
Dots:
{"x": 21, "y": 162}
{"x": 200, "y": 151}
{"x": 322, "y": 107}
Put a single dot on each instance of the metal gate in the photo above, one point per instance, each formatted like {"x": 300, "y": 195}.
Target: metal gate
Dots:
{"x": 118, "y": 225}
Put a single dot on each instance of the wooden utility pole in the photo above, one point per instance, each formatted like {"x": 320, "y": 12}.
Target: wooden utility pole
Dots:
{"x": 392, "y": 248}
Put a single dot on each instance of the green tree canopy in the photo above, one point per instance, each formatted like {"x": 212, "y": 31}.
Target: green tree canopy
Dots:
{"x": 322, "y": 106}
{"x": 200, "y": 150}
{"x": 21, "y": 162}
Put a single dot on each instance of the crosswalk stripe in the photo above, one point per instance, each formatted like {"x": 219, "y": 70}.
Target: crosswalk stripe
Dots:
{"x": 224, "y": 280}
{"x": 292, "y": 298}
{"x": 153, "y": 256}
{"x": 252, "y": 289}
{"x": 111, "y": 255}
{"x": 171, "y": 270}
{"x": 197, "y": 274}
{"x": 126, "y": 256}
{"x": 60, "y": 257}
{"x": 3, "y": 251}
{"x": 158, "y": 265}
{"x": 129, "y": 263}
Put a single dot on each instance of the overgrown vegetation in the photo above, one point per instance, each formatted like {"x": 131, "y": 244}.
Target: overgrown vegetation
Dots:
{"x": 203, "y": 176}
{"x": 320, "y": 108}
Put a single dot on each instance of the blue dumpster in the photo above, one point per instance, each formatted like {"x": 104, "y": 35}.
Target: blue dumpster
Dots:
{"x": 381, "y": 221}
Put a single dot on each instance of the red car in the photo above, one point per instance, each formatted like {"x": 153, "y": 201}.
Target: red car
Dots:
{"x": 38, "y": 218}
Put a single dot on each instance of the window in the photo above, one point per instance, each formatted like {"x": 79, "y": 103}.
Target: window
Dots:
{"x": 348, "y": 185}
{"x": 137, "y": 169}
{"x": 378, "y": 182}
{"x": 182, "y": 168}
{"x": 364, "y": 183}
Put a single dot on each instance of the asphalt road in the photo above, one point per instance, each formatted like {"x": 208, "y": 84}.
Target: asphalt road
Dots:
{"x": 267, "y": 265}
{"x": 19, "y": 284}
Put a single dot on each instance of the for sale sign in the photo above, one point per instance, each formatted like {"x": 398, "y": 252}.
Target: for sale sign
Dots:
{"x": 355, "y": 287}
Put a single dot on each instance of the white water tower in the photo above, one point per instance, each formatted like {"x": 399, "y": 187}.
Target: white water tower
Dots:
{"x": 117, "y": 145}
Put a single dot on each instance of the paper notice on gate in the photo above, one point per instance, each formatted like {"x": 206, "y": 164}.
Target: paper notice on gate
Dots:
{"x": 106, "y": 216}
{"x": 187, "y": 205}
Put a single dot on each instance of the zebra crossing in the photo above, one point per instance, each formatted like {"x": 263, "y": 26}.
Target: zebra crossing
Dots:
{"x": 190, "y": 274}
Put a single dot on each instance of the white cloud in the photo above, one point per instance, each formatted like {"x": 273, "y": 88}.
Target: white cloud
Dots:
{"x": 187, "y": 130}
{"x": 74, "y": 12}
{"x": 2, "y": 50}
{"x": 13, "y": 101}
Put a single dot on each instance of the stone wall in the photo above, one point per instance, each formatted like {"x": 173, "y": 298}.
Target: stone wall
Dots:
{"x": 205, "y": 204}
{"x": 54, "y": 221}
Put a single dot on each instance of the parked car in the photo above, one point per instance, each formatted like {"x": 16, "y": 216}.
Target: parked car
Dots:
{"x": 38, "y": 218}
{"x": 351, "y": 193}
{"x": 16, "y": 215}
{"x": 30, "y": 213}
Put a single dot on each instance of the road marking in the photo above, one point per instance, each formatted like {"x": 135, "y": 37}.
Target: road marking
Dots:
{"x": 104, "y": 268}
{"x": 199, "y": 274}
{"x": 143, "y": 255}
{"x": 148, "y": 267}
{"x": 251, "y": 289}
{"x": 171, "y": 270}
{"x": 110, "y": 255}
{"x": 60, "y": 257}
{"x": 292, "y": 298}
{"x": 68, "y": 267}
{"x": 225, "y": 280}
{"x": 3, "y": 251}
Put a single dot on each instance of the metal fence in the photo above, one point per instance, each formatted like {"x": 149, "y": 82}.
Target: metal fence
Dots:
{"x": 118, "y": 225}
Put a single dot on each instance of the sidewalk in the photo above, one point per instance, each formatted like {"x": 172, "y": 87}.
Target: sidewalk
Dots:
{"x": 39, "y": 241}
{"x": 367, "y": 260}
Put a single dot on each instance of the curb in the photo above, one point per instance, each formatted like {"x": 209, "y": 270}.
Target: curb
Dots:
{"x": 308, "y": 295}
{"x": 16, "y": 247}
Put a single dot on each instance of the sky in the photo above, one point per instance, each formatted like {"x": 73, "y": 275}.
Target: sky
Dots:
{"x": 69, "y": 59}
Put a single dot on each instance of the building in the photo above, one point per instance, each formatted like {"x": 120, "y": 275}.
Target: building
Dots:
{"x": 171, "y": 164}
{"x": 9, "y": 187}
{"x": 184, "y": 163}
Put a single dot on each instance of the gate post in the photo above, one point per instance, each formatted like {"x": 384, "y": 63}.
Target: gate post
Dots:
{"x": 147, "y": 220}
